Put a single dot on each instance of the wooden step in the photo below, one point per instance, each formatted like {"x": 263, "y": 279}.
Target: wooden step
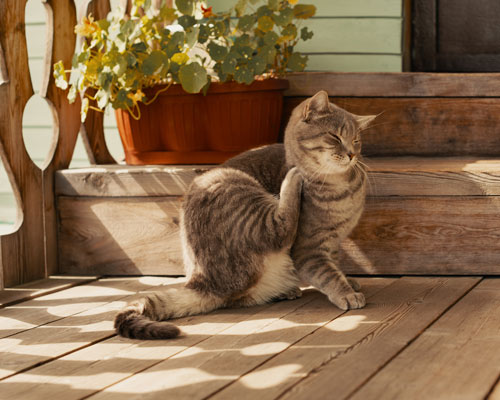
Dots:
{"x": 423, "y": 216}
{"x": 420, "y": 114}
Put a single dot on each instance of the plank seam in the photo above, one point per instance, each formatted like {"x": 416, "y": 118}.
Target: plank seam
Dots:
{"x": 488, "y": 395}
{"x": 410, "y": 342}
{"x": 277, "y": 354}
{"x": 43, "y": 362}
{"x": 351, "y": 347}
{"x": 49, "y": 291}
{"x": 194, "y": 344}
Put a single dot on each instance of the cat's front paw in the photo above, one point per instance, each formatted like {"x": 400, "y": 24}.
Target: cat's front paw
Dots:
{"x": 354, "y": 284}
{"x": 349, "y": 302}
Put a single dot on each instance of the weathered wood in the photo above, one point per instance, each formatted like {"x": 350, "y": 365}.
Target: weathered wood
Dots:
{"x": 394, "y": 317}
{"x": 64, "y": 335}
{"x": 22, "y": 252}
{"x": 388, "y": 176}
{"x": 423, "y": 216}
{"x": 426, "y": 235}
{"x": 61, "y": 304}
{"x": 127, "y": 180}
{"x": 408, "y": 84}
{"x": 4, "y": 77}
{"x": 255, "y": 340}
{"x": 61, "y": 22}
{"x": 103, "y": 364}
{"x": 457, "y": 357}
{"x": 39, "y": 288}
{"x": 120, "y": 236}
{"x": 425, "y": 127}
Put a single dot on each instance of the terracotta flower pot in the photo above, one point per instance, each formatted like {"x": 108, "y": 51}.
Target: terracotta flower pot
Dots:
{"x": 182, "y": 128}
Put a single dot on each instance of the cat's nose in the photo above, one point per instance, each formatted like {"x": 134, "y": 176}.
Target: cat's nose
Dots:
{"x": 351, "y": 155}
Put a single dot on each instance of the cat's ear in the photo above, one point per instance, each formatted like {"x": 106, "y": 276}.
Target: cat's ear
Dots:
{"x": 364, "y": 120}
{"x": 319, "y": 103}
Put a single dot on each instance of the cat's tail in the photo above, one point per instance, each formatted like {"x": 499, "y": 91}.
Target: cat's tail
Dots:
{"x": 145, "y": 318}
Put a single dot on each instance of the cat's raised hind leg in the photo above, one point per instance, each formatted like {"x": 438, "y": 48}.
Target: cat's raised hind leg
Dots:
{"x": 288, "y": 210}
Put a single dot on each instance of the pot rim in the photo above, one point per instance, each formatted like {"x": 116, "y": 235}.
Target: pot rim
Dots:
{"x": 226, "y": 87}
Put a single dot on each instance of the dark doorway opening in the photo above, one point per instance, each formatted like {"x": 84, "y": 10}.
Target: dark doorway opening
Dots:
{"x": 456, "y": 35}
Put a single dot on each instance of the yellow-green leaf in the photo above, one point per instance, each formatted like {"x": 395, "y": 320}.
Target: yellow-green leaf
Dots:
{"x": 265, "y": 23}
{"x": 304, "y": 11}
{"x": 180, "y": 58}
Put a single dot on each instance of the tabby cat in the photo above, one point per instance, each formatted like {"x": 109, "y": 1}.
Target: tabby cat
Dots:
{"x": 262, "y": 222}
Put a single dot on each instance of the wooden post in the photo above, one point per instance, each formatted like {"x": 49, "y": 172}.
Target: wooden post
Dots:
{"x": 61, "y": 45}
{"x": 22, "y": 257}
{"x": 92, "y": 132}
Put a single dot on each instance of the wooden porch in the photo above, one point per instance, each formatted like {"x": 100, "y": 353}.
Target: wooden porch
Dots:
{"x": 417, "y": 338}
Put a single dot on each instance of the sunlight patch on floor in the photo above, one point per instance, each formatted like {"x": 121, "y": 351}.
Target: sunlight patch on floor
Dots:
{"x": 346, "y": 323}
{"x": 270, "y": 377}
{"x": 264, "y": 348}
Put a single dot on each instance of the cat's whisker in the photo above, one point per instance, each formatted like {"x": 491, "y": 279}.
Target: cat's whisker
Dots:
{"x": 375, "y": 125}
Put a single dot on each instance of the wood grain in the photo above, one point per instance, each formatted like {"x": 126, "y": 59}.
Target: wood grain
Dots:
{"x": 254, "y": 340}
{"x": 457, "y": 357}
{"x": 22, "y": 252}
{"x": 465, "y": 340}
{"x": 31, "y": 347}
{"x": 387, "y": 84}
{"x": 115, "y": 359}
{"x": 53, "y": 307}
{"x": 424, "y": 127}
{"x": 62, "y": 18}
{"x": 427, "y": 235}
{"x": 388, "y": 176}
{"x": 394, "y": 317}
{"x": 129, "y": 236}
{"x": 399, "y": 233}
{"x": 39, "y": 288}
{"x": 127, "y": 180}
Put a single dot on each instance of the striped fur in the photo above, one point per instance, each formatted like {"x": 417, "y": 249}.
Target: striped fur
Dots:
{"x": 255, "y": 226}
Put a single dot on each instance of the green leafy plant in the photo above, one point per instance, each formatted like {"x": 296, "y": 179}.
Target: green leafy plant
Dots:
{"x": 191, "y": 45}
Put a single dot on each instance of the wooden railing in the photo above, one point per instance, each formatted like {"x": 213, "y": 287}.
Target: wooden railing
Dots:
{"x": 30, "y": 251}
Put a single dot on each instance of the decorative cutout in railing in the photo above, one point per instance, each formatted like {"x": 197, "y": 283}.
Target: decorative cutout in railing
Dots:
{"x": 30, "y": 252}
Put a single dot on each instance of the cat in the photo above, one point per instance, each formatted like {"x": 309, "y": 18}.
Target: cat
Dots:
{"x": 255, "y": 227}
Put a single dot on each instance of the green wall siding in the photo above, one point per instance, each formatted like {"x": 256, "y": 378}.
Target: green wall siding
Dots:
{"x": 351, "y": 35}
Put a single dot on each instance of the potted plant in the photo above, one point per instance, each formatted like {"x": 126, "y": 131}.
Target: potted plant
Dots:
{"x": 189, "y": 85}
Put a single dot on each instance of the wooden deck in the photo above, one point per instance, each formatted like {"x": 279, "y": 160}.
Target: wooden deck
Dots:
{"x": 417, "y": 338}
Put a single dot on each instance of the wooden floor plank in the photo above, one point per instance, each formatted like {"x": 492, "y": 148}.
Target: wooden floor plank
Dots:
{"x": 358, "y": 344}
{"x": 39, "y": 288}
{"x": 456, "y": 358}
{"x": 495, "y": 394}
{"x": 55, "y": 306}
{"x": 201, "y": 370}
{"x": 31, "y": 347}
{"x": 91, "y": 369}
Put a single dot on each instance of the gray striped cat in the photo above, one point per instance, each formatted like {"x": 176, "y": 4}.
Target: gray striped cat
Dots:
{"x": 262, "y": 222}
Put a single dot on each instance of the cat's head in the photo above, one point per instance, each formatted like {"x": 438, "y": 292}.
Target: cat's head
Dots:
{"x": 323, "y": 138}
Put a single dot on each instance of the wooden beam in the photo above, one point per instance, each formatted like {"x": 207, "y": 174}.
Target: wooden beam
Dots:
{"x": 388, "y": 176}
{"x": 424, "y": 126}
{"x": 389, "y": 84}
{"x": 120, "y": 236}
{"x": 22, "y": 252}
{"x": 426, "y": 235}
{"x": 62, "y": 19}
